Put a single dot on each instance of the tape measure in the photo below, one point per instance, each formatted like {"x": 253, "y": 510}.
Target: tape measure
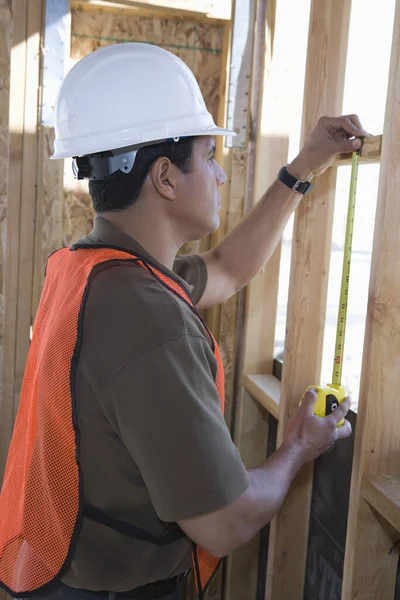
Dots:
{"x": 330, "y": 396}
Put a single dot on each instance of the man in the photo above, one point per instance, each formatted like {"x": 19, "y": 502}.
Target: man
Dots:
{"x": 121, "y": 471}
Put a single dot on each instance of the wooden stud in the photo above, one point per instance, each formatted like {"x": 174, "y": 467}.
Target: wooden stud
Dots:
{"x": 16, "y": 129}
{"x": 35, "y": 10}
{"x": 228, "y": 322}
{"x": 370, "y": 557}
{"x": 241, "y": 164}
{"x": 21, "y": 203}
{"x": 6, "y": 28}
{"x": 326, "y": 59}
{"x": 255, "y": 350}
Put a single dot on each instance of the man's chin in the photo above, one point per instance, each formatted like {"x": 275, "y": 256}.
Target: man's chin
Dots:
{"x": 207, "y": 230}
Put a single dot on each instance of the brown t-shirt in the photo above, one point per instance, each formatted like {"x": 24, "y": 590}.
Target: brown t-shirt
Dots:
{"x": 154, "y": 447}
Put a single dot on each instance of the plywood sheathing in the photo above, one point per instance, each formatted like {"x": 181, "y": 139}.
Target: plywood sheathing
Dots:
{"x": 198, "y": 44}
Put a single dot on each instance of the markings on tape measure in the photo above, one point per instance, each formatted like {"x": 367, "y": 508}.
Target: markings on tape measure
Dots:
{"x": 344, "y": 288}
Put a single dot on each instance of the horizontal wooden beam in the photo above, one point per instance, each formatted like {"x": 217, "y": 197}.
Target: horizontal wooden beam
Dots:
{"x": 370, "y": 152}
{"x": 266, "y": 389}
{"x": 146, "y": 9}
{"x": 383, "y": 494}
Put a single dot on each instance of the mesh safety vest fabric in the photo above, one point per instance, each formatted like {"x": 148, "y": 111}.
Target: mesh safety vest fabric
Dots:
{"x": 41, "y": 505}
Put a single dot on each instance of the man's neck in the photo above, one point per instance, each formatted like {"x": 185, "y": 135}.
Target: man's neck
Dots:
{"x": 151, "y": 233}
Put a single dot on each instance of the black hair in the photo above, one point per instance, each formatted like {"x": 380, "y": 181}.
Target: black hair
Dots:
{"x": 123, "y": 189}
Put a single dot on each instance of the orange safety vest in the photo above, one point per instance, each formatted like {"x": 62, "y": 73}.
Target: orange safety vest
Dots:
{"x": 41, "y": 503}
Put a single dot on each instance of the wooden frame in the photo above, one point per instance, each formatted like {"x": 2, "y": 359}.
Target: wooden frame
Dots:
{"x": 247, "y": 334}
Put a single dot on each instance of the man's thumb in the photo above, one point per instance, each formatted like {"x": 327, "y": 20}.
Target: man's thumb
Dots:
{"x": 310, "y": 398}
{"x": 350, "y": 145}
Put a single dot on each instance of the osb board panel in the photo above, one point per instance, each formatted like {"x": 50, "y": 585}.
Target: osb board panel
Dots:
{"x": 199, "y": 45}
{"x": 5, "y": 50}
{"x": 49, "y": 227}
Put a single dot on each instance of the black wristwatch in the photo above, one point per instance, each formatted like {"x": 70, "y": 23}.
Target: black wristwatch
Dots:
{"x": 297, "y": 185}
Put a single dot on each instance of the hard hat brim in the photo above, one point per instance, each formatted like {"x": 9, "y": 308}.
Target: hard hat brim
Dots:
{"x": 211, "y": 131}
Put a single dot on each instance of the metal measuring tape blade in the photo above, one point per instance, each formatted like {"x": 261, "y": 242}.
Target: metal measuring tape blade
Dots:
{"x": 331, "y": 395}
{"x": 344, "y": 288}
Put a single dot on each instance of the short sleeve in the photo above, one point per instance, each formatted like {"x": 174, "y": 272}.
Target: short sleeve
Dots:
{"x": 192, "y": 269}
{"x": 166, "y": 409}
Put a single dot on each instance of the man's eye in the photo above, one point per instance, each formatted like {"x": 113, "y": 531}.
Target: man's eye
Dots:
{"x": 212, "y": 157}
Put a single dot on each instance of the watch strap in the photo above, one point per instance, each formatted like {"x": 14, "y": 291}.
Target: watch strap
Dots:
{"x": 297, "y": 185}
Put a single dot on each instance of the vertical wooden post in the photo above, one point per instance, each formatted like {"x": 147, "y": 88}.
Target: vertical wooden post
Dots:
{"x": 6, "y": 24}
{"x": 328, "y": 38}
{"x": 21, "y": 24}
{"x": 5, "y": 69}
{"x": 13, "y": 211}
{"x": 20, "y": 202}
{"x": 35, "y": 11}
{"x": 256, "y": 349}
{"x": 242, "y": 157}
{"x": 371, "y": 556}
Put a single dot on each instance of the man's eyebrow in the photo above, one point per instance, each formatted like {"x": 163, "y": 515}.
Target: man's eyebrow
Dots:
{"x": 212, "y": 148}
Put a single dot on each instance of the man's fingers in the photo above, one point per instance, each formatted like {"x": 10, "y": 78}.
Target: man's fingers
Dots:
{"x": 355, "y": 121}
{"x": 340, "y": 412}
{"x": 349, "y": 145}
{"x": 353, "y": 128}
{"x": 344, "y": 431}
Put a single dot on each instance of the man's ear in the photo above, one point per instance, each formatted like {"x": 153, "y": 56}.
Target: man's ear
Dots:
{"x": 163, "y": 177}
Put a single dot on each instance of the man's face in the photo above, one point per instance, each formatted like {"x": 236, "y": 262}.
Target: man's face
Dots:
{"x": 198, "y": 191}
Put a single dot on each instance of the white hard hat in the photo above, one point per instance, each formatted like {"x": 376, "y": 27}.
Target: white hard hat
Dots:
{"x": 128, "y": 95}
